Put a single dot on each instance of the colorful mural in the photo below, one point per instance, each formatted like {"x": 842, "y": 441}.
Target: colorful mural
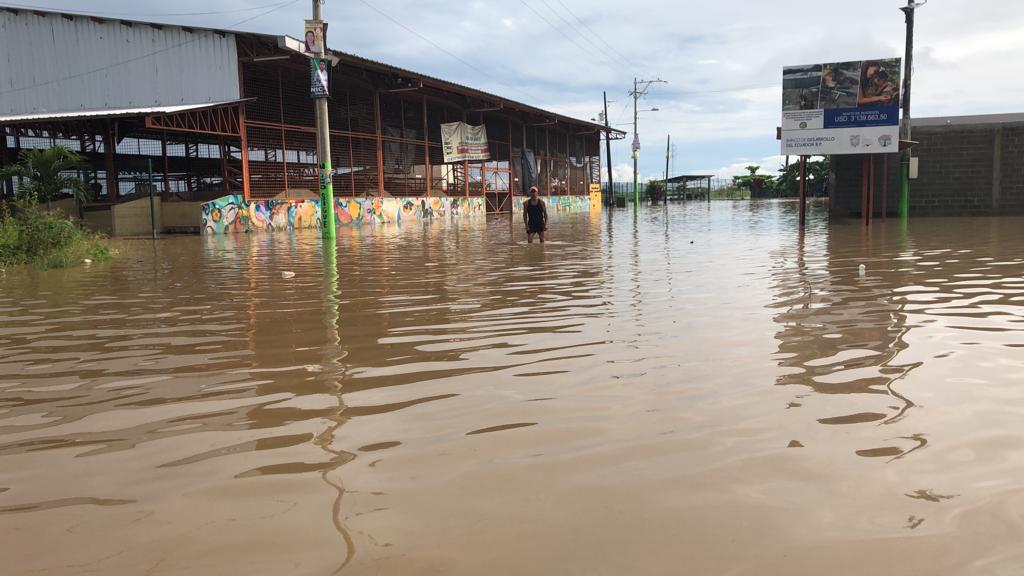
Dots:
{"x": 236, "y": 214}
{"x": 558, "y": 203}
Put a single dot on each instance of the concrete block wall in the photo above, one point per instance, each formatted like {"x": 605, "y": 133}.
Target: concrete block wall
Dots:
{"x": 963, "y": 169}
{"x": 133, "y": 218}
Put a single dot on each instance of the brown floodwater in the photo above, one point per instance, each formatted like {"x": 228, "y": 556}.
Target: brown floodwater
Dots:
{"x": 691, "y": 390}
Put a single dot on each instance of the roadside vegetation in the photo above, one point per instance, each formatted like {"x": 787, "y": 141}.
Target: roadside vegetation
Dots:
{"x": 33, "y": 234}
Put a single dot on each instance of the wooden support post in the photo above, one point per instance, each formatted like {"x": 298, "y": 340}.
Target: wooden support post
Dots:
{"x": 243, "y": 144}
{"x": 864, "y": 190}
{"x": 871, "y": 191}
{"x": 109, "y": 150}
{"x": 428, "y": 173}
{"x": 7, "y": 185}
{"x": 803, "y": 180}
{"x": 166, "y": 170}
{"x": 225, "y": 184}
{"x": 380, "y": 145}
{"x": 885, "y": 186}
{"x": 284, "y": 139}
{"x": 547, "y": 161}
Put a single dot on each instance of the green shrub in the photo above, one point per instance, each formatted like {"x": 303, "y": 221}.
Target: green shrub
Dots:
{"x": 30, "y": 235}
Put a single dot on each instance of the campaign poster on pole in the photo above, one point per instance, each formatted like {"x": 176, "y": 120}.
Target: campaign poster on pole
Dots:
{"x": 460, "y": 141}
{"x": 314, "y": 40}
{"x": 319, "y": 77}
{"x": 841, "y": 107}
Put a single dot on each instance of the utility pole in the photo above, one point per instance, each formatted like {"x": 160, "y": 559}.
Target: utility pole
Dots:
{"x": 637, "y": 93}
{"x": 636, "y": 148}
{"x": 668, "y": 153}
{"x": 908, "y": 69}
{"x": 323, "y": 148}
{"x": 608, "y": 152}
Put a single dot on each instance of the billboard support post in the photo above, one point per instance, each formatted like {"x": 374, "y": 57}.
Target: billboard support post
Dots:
{"x": 864, "y": 191}
{"x": 871, "y": 192}
{"x": 885, "y": 186}
{"x": 803, "y": 185}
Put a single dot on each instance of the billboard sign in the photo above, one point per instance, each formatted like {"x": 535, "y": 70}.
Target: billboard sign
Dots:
{"x": 460, "y": 141}
{"x": 841, "y": 107}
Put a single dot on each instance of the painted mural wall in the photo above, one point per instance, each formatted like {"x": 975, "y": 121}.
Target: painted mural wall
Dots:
{"x": 558, "y": 203}
{"x": 236, "y": 214}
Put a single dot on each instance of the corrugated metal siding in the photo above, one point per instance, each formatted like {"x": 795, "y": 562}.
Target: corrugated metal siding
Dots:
{"x": 56, "y": 64}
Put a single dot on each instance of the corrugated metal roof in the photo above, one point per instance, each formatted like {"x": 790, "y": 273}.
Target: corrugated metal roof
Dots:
{"x": 58, "y": 63}
{"x": 109, "y": 113}
{"x": 360, "y": 61}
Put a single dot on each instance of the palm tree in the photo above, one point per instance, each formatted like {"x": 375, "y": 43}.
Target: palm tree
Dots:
{"x": 42, "y": 178}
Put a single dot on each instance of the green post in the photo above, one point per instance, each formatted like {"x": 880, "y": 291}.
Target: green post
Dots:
{"x": 327, "y": 224}
{"x": 905, "y": 192}
{"x": 152, "y": 207}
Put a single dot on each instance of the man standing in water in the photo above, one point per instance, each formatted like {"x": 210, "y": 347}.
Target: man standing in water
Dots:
{"x": 535, "y": 215}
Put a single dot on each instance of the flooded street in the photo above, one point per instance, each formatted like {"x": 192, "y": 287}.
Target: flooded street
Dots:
{"x": 692, "y": 390}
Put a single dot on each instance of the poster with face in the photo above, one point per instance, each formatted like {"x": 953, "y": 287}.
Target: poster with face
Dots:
{"x": 313, "y": 40}
{"x": 319, "y": 77}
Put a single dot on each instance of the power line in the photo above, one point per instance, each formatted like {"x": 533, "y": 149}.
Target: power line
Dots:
{"x": 598, "y": 36}
{"x": 147, "y": 14}
{"x": 555, "y": 28}
{"x": 142, "y": 56}
{"x": 438, "y": 46}
{"x": 577, "y": 30}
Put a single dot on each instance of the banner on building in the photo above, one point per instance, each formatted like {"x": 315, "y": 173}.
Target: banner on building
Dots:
{"x": 319, "y": 77}
{"x": 460, "y": 142}
{"x": 315, "y": 37}
{"x": 841, "y": 107}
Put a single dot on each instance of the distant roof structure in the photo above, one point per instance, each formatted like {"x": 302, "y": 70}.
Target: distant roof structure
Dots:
{"x": 1011, "y": 118}
{"x": 685, "y": 178}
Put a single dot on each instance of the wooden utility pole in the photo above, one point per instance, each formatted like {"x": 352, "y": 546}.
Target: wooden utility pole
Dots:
{"x": 608, "y": 152}
{"x": 323, "y": 148}
{"x": 668, "y": 153}
{"x": 908, "y": 69}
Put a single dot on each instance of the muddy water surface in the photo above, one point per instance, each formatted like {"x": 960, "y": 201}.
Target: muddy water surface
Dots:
{"x": 697, "y": 390}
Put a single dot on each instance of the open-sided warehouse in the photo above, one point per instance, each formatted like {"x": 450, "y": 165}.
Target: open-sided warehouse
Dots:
{"x": 217, "y": 113}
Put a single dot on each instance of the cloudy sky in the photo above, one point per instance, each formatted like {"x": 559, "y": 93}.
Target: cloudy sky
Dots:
{"x": 722, "y": 59}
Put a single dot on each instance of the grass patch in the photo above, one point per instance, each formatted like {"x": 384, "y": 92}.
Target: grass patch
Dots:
{"x": 29, "y": 235}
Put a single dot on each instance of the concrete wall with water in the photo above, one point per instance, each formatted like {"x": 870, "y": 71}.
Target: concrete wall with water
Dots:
{"x": 967, "y": 165}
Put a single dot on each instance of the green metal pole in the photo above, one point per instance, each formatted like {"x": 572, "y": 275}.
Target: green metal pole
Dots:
{"x": 905, "y": 193}
{"x": 152, "y": 207}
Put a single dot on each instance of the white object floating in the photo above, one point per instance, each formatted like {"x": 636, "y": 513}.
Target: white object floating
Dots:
{"x": 862, "y": 269}
{"x": 87, "y": 261}
{"x": 287, "y": 274}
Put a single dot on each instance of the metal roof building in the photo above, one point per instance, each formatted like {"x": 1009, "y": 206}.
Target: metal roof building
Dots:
{"x": 221, "y": 112}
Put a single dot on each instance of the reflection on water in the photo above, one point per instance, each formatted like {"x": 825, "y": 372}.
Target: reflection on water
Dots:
{"x": 442, "y": 398}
